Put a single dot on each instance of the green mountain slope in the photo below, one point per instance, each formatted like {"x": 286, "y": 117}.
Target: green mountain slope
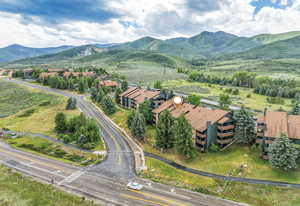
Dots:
{"x": 15, "y": 51}
{"x": 270, "y": 38}
{"x": 289, "y": 48}
{"x": 203, "y": 45}
{"x": 117, "y": 56}
{"x": 71, "y": 54}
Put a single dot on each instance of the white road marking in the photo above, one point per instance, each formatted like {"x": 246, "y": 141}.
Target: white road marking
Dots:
{"x": 72, "y": 177}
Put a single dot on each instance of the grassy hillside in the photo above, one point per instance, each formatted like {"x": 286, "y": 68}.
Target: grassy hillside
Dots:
{"x": 14, "y": 98}
{"x": 114, "y": 56}
{"x": 16, "y": 51}
{"x": 270, "y": 38}
{"x": 289, "y": 48}
{"x": 68, "y": 55}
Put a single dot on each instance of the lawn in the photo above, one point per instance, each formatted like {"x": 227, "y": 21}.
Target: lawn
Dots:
{"x": 56, "y": 151}
{"x": 17, "y": 190}
{"x": 256, "y": 195}
{"x": 212, "y": 91}
{"x": 14, "y": 98}
{"x": 35, "y": 118}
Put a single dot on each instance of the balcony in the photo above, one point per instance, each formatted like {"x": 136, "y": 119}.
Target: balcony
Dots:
{"x": 201, "y": 135}
{"x": 259, "y": 140}
{"x": 227, "y": 134}
{"x": 260, "y": 134}
{"x": 228, "y": 127}
{"x": 224, "y": 141}
{"x": 201, "y": 142}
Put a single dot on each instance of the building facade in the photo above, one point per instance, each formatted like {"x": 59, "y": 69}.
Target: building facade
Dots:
{"x": 210, "y": 126}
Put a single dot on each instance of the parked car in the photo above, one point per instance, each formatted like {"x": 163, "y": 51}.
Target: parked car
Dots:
{"x": 135, "y": 186}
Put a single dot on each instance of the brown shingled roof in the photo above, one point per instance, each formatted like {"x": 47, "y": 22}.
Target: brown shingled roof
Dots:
{"x": 147, "y": 94}
{"x": 197, "y": 116}
{"x": 166, "y": 105}
{"x": 128, "y": 91}
{"x": 55, "y": 70}
{"x": 277, "y": 123}
{"x": 294, "y": 126}
{"x": 108, "y": 83}
{"x": 48, "y": 74}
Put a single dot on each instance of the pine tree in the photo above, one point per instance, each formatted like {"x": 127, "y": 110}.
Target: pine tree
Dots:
{"x": 117, "y": 95}
{"x": 124, "y": 85}
{"x": 138, "y": 125}
{"x": 71, "y": 104}
{"x": 245, "y": 130}
{"x": 157, "y": 85}
{"x": 108, "y": 105}
{"x": 60, "y": 123}
{"x": 224, "y": 101}
{"x": 283, "y": 154}
{"x": 146, "y": 109}
{"x": 295, "y": 109}
{"x": 194, "y": 99}
{"x": 164, "y": 131}
{"x": 183, "y": 136}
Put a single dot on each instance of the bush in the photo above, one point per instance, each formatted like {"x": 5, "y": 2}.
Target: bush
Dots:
{"x": 27, "y": 113}
{"x": 214, "y": 148}
{"x": 46, "y": 103}
{"x": 248, "y": 95}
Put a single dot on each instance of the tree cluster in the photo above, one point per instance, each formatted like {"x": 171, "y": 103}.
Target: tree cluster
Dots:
{"x": 79, "y": 130}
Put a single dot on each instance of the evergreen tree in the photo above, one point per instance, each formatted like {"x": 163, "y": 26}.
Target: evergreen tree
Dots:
{"x": 157, "y": 85}
{"x": 146, "y": 109}
{"x": 283, "y": 154}
{"x": 60, "y": 123}
{"x": 130, "y": 119}
{"x": 164, "y": 131}
{"x": 194, "y": 99}
{"x": 108, "y": 105}
{"x": 100, "y": 95}
{"x": 245, "y": 130}
{"x": 138, "y": 125}
{"x": 183, "y": 136}
{"x": 124, "y": 85}
{"x": 117, "y": 95}
{"x": 71, "y": 104}
{"x": 224, "y": 101}
{"x": 295, "y": 109}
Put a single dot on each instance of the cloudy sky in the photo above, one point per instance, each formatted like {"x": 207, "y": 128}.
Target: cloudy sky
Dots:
{"x": 41, "y": 23}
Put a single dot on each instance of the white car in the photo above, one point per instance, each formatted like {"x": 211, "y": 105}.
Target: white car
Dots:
{"x": 135, "y": 186}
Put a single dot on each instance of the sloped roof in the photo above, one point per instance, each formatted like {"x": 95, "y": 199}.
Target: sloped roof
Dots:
{"x": 277, "y": 123}
{"x": 108, "y": 83}
{"x": 197, "y": 116}
{"x": 128, "y": 91}
{"x": 146, "y": 94}
{"x": 294, "y": 126}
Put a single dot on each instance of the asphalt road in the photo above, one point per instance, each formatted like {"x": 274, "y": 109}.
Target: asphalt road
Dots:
{"x": 107, "y": 181}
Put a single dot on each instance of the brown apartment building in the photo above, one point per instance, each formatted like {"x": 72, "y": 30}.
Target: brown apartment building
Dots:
{"x": 271, "y": 125}
{"x": 135, "y": 96}
{"x": 210, "y": 126}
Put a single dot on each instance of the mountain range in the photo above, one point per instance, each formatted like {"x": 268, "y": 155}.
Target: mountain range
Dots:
{"x": 206, "y": 45}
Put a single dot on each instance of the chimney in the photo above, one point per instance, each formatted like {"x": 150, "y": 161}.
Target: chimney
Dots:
{"x": 265, "y": 111}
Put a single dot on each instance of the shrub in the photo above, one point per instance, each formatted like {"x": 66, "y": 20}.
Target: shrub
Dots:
{"x": 27, "y": 113}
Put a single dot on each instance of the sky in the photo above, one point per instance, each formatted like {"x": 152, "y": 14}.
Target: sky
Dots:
{"x": 47, "y": 23}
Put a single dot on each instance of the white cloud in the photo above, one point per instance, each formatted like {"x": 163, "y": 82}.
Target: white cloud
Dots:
{"x": 161, "y": 19}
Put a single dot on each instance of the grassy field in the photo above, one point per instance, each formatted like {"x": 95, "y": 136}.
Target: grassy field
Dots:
{"x": 36, "y": 118}
{"x": 212, "y": 91}
{"x": 18, "y": 190}
{"x": 56, "y": 151}
{"x": 256, "y": 195}
{"x": 146, "y": 73}
{"x": 14, "y": 98}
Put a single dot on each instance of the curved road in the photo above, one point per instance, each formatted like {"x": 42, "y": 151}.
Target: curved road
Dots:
{"x": 119, "y": 162}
